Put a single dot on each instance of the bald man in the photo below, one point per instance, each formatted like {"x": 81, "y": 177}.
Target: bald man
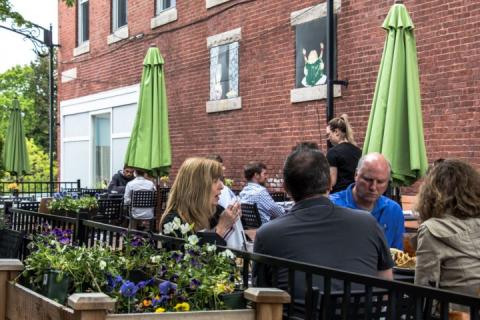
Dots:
{"x": 371, "y": 180}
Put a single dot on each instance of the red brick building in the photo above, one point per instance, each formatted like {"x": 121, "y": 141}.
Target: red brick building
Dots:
{"x": 100, "y": 69}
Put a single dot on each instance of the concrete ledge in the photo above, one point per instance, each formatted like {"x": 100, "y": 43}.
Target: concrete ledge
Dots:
{"x": 224, "y": 38}
{"x": 69, "y": 75}
{"x": 213, "y": 3}
{"x": 11, "y": 265}
{"x": 224, "y": 105}
{"x": 266, "y": 295}
{"x": 164, "y": 17}
{"x": 313, "y": 93}
{"x": 118, "y": 35}
{"x": 81, "y": 49}
{"x": 91, "y": 301}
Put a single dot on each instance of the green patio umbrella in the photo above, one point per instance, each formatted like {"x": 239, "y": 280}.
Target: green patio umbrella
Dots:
{"x": 395, "y": 126}
{"x": 15, "y": 155}
{"x": 149, "y": 145}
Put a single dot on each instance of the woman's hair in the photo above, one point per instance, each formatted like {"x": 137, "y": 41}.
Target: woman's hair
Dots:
{"x": 452, "y": 187}
{"x": 190, "y": 195}
{"x": 341, "y": 123}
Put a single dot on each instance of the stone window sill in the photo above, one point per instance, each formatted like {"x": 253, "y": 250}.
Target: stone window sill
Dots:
{"x": 224, "y": 105}
{"x": 212, "y": 3}
{"x": 118, "y": 35}
{"x": 164, "y": 18}
{"x": 81, "y": 49}
{"x": 313, "y": 93}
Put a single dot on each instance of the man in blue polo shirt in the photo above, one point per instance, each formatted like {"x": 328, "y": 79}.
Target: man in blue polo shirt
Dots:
{"x": 371, "y": 181}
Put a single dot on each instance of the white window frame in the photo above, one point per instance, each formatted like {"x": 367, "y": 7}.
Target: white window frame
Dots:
{"x": 160, "y": 6}
{"x": 163, "y": 15}
{"x": 302, "y": 16}
{"x": 224, "y": 38}
{"x": 115, "y": 15}
{"x": 81, "y": 37}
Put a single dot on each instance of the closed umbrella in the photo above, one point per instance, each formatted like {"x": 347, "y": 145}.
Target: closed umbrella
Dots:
{"x": 395, "y": 126}
{"x": 15, "y": 155}
{"x": 149, "y": 145}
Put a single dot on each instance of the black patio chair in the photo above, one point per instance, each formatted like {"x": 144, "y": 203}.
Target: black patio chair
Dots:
{"x": 143, "y": 199}
{"x": 10, "y": 243}
{"x": 91, "y": 192}
{"x": 109, "y": 211}
{"x": 163, "y": 198}
{"x": 278, "y": 196}
{"x": 250, "y": 216}
{"x": 29, "y": 205}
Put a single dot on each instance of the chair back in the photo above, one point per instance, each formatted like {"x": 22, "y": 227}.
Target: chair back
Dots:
{"x": 144, "y": 199}
{"x": 163, "y": 198}
{"x": 278, "y": 196}
{"x": 250, "y": 216}
{"x": 92, "y": 192}
{"x": 109, "y": 210}
{"x": 29, "y": 205}
{"x": 10, "y": 243}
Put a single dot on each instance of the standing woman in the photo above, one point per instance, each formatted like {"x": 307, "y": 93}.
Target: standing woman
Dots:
{"x": 344, "y": 155}
{"x": 448, "y": 244}
{"x": 194, "y": 198}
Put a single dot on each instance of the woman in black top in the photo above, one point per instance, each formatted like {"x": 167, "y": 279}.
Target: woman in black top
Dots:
{"x": 344, "y": 155}
{"x": 194, "y": 198}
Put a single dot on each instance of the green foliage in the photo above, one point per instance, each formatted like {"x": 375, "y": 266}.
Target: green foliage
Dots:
{"x": 39, "y": 165}
{"x": 69, "y": 204}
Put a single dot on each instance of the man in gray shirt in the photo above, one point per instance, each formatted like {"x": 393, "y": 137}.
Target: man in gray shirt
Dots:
{"x": 317, "y": 231}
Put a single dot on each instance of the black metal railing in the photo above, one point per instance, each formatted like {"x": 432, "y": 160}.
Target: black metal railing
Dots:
{"x": 27, "y": 189}
{"x": 317, "y": 292}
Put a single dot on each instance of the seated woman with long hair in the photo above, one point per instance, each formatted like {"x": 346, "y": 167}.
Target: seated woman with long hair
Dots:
{"x": 448, "y": 247}
{"x": 194, "y": 198}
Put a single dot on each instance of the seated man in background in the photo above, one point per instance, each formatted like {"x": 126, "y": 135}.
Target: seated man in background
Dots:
{"x": 143, "y": 215}
{"x": 371, "y": 181}
{"x": 318, "y": 232}
{"x": 255, "y": 192}
{"x": 120, "y": 180}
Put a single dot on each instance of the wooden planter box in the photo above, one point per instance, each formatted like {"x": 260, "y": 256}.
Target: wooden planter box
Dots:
{"x": 20, "y": 303}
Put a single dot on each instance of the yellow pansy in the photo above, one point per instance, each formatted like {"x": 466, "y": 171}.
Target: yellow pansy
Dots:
{"x": 159, "y": 310}
{"x": 184, "y": 306}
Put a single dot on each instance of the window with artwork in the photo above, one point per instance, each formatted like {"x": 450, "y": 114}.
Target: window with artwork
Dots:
{"x": 119, "y": 14}
{"x": 310, "y": 47}
{"x": 82, "y": 22}
{"x": 224, "y": 71}
{"x": 162, "y": 5}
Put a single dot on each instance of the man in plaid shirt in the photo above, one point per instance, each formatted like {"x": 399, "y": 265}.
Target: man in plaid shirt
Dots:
{"x": 255, "y": 192}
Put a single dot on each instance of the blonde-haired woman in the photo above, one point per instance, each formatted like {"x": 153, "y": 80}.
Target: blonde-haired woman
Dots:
{"x": 344, "y": 155}
{"x": 194, "y": 198}
{"x": 448, "y": 244}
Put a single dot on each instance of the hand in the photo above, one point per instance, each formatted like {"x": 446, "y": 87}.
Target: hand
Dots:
{"x": 228, "y": 218}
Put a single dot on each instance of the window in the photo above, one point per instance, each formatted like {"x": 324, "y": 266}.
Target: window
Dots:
{"x": 82, "y": 22}
{"x": 224, "y": 71}
{"x": 163, "y": 5}
{"x": 101, "y": 149}
{"x": 119, "y": 14}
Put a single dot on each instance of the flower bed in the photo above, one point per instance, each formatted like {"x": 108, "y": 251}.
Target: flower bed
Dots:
{"x": 139, "y": 277}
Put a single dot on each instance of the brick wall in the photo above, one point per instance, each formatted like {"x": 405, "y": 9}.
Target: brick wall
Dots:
{"x": 268, "y": 125}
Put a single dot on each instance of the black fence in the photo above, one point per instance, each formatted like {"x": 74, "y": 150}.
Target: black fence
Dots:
{"x": 317, "y": 292}
{"x": 35, "y": 190}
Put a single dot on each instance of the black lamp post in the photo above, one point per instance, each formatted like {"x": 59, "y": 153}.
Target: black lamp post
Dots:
{"x": 42, "y": 47}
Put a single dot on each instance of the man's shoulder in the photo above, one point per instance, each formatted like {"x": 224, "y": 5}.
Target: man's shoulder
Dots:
{"x": 389, "y": 205}
{"x": 340, "y": 198}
